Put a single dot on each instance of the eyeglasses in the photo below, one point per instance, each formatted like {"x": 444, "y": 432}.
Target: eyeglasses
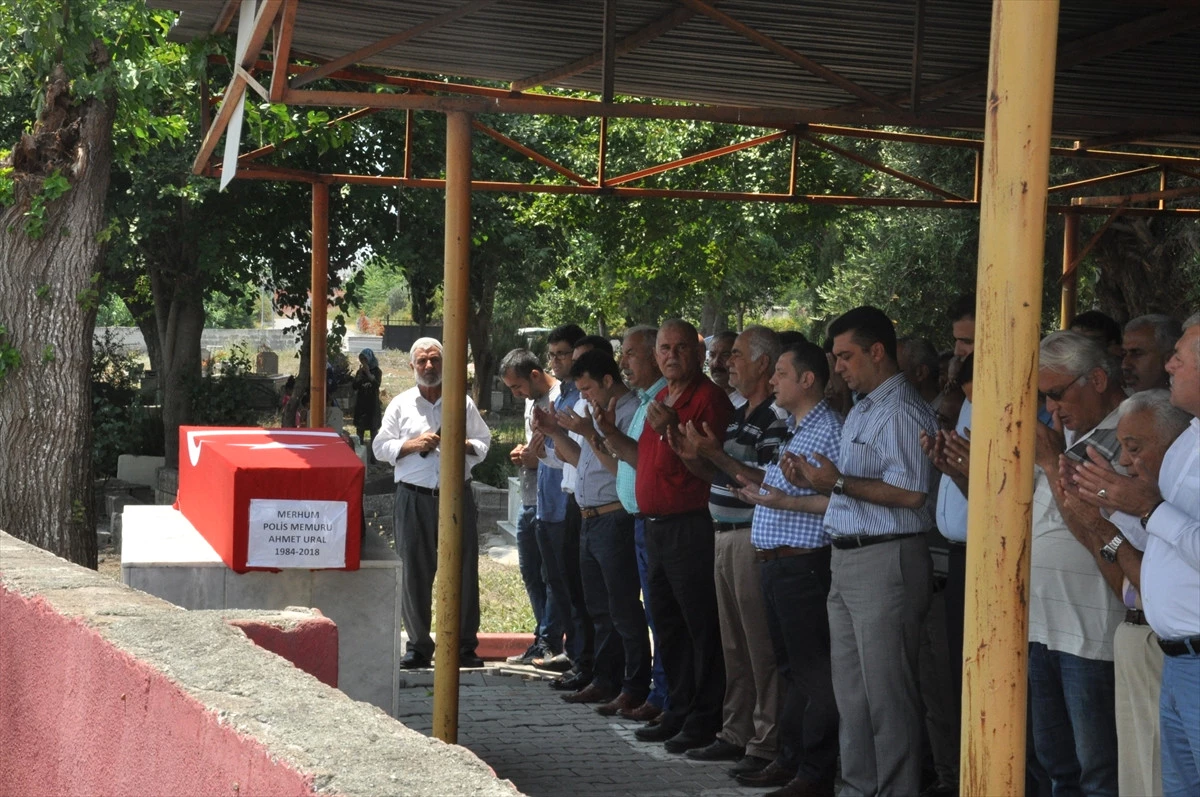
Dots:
{"x": 1057, "y": 394}
{"x": 559, "y": 355}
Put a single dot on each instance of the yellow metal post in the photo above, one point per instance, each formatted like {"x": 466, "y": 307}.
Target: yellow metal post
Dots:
{"x": 319, "y": 291}
{"x": 456, "y": 304}
{"x": 1070, "y": 278}
{"x": 1016, "y": 160}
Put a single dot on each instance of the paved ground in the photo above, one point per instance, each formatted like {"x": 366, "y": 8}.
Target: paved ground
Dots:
{"x": 549, "y": 748}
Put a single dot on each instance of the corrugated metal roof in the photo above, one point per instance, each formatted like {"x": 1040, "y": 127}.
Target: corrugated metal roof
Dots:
{"x": 1149, "y": 82}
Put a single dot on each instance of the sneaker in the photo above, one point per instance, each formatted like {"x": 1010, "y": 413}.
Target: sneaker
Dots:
{"x": 534, "y": 651}
{"x": 556, "y": 663}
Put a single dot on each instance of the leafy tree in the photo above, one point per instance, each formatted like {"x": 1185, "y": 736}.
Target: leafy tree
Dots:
{"x": 73, "y": 77}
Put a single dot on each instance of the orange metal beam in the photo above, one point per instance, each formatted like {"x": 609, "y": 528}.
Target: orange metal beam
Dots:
{"x": 899, "y": 175}
{"x": 697, "y": 158}
{"x": 391, "y": 41}
{"x": 529, "y": 153}
{"x": 1104, "y": 178}
{"x": 627, "y": 45}
{"x": 1148, "y": 196}
{"x": 282, "y": 50}
{"x": 826, "y": 74}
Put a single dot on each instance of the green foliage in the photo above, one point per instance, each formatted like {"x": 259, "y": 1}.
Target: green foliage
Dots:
{"x": 7, "y": 185}
{"x": 48, "y": 354}
{"x": 10, "y": 356}
{"x": 113, "y": 313}
{"x": 52, "y": 187}
{"x": 43, "y": 292}
{"x": 234, "y": 308}
{"x": 496, "y": 468}
{"x": 223, "y": 397}
{"x": 121, "y": 424}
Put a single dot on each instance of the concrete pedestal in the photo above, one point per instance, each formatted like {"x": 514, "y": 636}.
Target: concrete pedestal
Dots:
{"x": 162, "y": 554}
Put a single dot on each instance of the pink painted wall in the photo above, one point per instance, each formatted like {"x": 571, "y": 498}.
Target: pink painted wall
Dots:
{"x": 78, "y": 716}
{"x": 312, "y": 645}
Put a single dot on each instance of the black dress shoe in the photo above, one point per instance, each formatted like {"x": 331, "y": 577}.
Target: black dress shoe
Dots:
{"x": 798, "y": 787}
{"x": 571, "y": 682}
{"x": 682, "y": 742}
{"x": 747, "y": 764}
{"x": 770, "y": 775}
{"x": 719, "y": 750}
{"x": 414, "y": 660}
{"x": 469, "y": 660}
{"x": 655, "y": 733}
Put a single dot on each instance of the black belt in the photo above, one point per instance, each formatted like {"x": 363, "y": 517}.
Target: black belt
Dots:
{"x": 955, "y": 543}
{"x": 1180, "y": 647}
{"x": 720, "y": 525}
{"x": 863, "y": 540}
{"x": 1135, "y": 617}
{"x": 783, "y": 552}
{"x": 678, "y": 516}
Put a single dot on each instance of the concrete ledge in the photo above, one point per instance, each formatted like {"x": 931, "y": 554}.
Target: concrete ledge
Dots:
{"x": 305, "y": 637}
{"x": 108, "y": 690}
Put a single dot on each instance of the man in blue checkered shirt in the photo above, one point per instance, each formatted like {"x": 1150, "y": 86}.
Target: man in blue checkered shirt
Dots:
{"x": 792, "y": 548}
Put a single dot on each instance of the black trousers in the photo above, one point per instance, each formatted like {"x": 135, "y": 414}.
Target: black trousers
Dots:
{"x": 683, "y": 601}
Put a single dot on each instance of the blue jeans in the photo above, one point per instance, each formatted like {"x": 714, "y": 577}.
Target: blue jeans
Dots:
{"x": 658, "y": 676}
{"x": 1179, "y": 712}
{"x": 533, "y": 573}
{"x": 1073, "y": 717}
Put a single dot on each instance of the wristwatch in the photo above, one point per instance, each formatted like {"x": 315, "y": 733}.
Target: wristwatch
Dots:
{"x": 1146, "y": 517}
{"x": 1109, "y": 552}
{"x": 839, "y": 486}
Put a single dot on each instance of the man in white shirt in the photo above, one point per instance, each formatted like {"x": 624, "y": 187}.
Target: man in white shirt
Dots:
{"x": 410, "y": 439}
{"x": 1170, "y": 573}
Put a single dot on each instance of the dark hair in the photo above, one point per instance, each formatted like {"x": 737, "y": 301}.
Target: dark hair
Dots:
{"x": 571, "y": 333}
{"x": 728, "y": 335}
{"x": 962, "y": 307}
{"x": 597, "y": 364}
{"x": 808, "y": 357}
{"x": 870, "y": 325}
{"x": 1096, "y": 321}
{"x": 521, "y": 362}
{"x": 966, "y": 371}
{"x": 788, "y": 337}
{"x": 921, "y": 352}
{"x": 596, "y": 342}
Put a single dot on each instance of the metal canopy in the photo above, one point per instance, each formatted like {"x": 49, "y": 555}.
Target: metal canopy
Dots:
{"x": 1125, "y": 70}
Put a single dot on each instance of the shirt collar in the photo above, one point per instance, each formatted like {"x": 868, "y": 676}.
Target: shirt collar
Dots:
{"x": 649, "y": 393}
{"x": 886, "y": 388}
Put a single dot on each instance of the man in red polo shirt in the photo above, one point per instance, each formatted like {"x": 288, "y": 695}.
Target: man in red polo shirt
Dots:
{"x": 679, "y": 544}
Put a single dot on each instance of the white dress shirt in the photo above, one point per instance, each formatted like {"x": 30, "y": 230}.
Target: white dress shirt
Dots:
{"x": 1171, "y": 566}
{"x": 410, "y": 415}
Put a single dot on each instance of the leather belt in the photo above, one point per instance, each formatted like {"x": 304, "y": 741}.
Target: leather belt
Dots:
{"x": 1135, "y": 617}
{"x": 676, "y": 516}
{"x": 783, "y": 552}
{"x": 720, "y": 525}
{"x": 597, "y": 511}
{"x": 863, "y": 540}
{"x": 416, "y": 488}
{"x": 1180, "y": 647}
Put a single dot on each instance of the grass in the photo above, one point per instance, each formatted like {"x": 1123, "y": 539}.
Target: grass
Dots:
{"x": 503, "y": 604}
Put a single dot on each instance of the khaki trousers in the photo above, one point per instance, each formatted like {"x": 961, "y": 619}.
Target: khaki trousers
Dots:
{"x": 1138, "y": 663}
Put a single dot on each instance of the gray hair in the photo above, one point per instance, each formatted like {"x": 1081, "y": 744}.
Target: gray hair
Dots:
{"x": 728, "y": 335}
{"x": 763, "y": 340}
{"x": 1193, "y": 321}
{"x": 641, "y": 330}
{"x": 1074, "y": 353}
{"x": 1166, "y": 330}
{"x": 424, "y": 343}
{"x": 1169, "y": 420}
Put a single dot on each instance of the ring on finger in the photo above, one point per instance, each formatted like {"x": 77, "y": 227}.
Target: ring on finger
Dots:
{"x": 1102, "y": 493}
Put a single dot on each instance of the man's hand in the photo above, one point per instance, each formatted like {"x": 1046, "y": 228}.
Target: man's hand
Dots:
{"x": 427, "y": 441}
{"x": 660, "y": 416}
{"x": 766, "y": 495}
{"x": 544, "y": 421}
{"x": 1050, "y": 443}
{"x": 680, "y": 444}
{"x": 821, "y": 476}
{"x": 535, "y": 450}
{"x": 571, "y": 421}
{"x": 514, "y": 456}
{"x": 789, "y": 465}
{"x": 606, "y": 417}
{"x": 702, "y": 440}
{"x": 1096, "y": 483}
{"x": 957, "y": 451}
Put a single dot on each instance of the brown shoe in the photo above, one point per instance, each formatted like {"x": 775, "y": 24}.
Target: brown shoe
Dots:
{"x": 592, "y": 693}
{"x": 646, "y": 712}
{"x": 623, "y": 702}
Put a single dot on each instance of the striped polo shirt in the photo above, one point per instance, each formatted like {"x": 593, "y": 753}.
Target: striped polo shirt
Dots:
{"x": 752, "y": 440}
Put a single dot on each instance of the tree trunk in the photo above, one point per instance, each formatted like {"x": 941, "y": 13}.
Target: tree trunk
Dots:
{"x": 179, "y": 320}
{"x": 1143, "y": 267}
{"x": 479, "y": 334}
{"x": 303, "y": 378}
{"x": 49, "y": 292}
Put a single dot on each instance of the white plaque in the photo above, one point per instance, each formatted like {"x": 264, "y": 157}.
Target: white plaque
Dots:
{"x": 290, "y": 533}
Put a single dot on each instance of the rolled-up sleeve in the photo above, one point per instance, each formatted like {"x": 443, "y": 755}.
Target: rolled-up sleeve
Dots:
{"x": 478, "y": 435}
{"x": 391, "y": 435}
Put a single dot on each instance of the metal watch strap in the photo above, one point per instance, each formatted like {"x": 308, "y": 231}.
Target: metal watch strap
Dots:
{"x": 839, "y": 486}
{"x": 1109, "y": 552}
{"x": 1146, "y": 517}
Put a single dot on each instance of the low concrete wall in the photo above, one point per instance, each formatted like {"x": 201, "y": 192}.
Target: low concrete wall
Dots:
{"x": 107, "y": 690}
